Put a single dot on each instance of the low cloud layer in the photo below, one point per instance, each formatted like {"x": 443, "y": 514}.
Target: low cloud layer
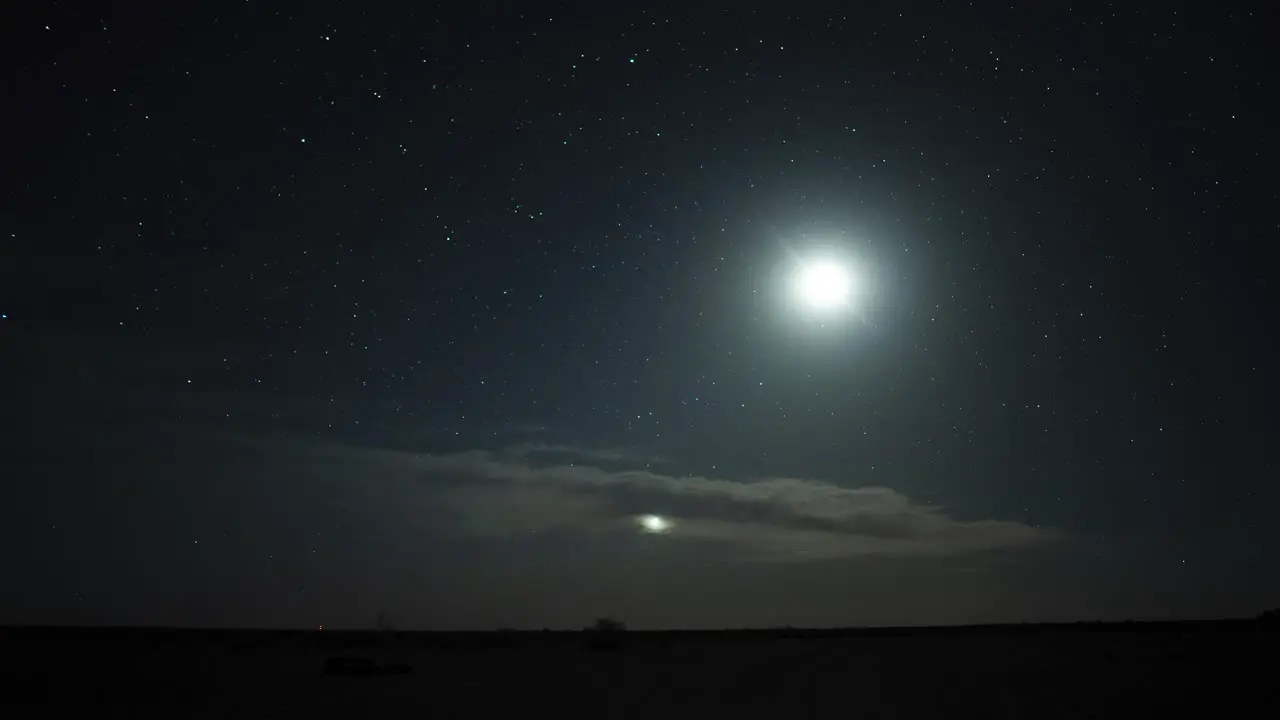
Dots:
{"x": 507, "y": 492}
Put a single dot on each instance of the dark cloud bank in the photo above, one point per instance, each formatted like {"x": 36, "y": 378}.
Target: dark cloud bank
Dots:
{"x": 509, "y": 492}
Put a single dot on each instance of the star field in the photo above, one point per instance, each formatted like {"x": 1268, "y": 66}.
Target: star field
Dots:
{"x": 337, "y": 309}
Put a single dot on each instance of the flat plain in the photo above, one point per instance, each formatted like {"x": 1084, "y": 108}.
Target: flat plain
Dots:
{"x": 1086, "y": 670}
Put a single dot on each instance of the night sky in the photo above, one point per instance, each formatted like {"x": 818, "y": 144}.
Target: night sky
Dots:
{"x": 318, "y": 311}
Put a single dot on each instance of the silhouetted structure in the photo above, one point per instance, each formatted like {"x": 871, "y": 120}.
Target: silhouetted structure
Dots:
{"x": 606, "y": 633}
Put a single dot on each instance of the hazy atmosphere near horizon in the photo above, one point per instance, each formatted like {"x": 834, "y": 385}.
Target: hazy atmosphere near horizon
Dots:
{"x": 701, "y": 315}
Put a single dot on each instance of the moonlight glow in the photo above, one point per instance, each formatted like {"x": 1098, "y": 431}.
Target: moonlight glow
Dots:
{"x": 823, "y": 284}
{"x": 655, "y": 524}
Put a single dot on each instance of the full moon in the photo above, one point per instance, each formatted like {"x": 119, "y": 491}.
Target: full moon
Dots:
{"x": 655, "y": 524}
{"x": 823, "y": 284}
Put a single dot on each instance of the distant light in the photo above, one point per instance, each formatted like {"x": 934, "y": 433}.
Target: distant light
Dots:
{"x": 654, "y": 524}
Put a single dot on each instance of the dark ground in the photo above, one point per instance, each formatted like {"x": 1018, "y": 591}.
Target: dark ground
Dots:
{"x": 1065, "y": 671}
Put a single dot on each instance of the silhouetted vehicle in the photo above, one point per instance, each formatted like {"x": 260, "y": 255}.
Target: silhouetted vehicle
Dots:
{"x": 1268, "y": 624}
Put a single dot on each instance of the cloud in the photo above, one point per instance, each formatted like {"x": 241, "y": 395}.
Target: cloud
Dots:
{"x": 532, "y": 451}
{"x": 500, "y": 493}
